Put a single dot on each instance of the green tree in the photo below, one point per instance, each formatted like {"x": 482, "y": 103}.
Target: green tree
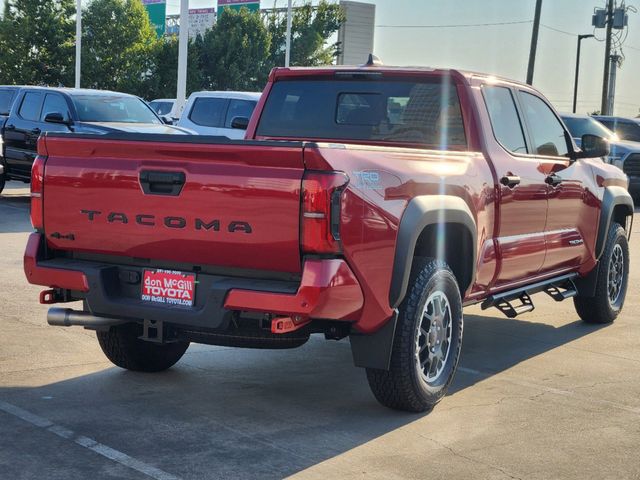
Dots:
{"x": 311, "y": 30}
{"x": 118, "y": 46}
{"x": 37, "y": 39}
{"x": 235, "y": 52}
{"x": 163, "y": 82}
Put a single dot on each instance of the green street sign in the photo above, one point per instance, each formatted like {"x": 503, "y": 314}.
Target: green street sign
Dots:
{"x": 157, "y": 11}
{"x": 252, "y": 5}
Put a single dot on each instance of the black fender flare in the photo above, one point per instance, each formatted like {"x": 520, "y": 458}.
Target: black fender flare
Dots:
{"x": 613, "y": 197}
{"x": 422, "y": 212}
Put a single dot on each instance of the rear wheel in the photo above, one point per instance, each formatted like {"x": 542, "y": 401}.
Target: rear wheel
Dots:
{"x": 427, "y": 343}
{"x": 122, "y": 346}
{"x": 611, "y": 282}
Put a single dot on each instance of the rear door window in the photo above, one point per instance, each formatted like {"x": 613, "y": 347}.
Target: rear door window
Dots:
{"x": 425, "y": 113}
{"x": 209, "y": 112}
{"x": 505, "y": 120}
{"x": 239, "y": 108}
{"x": 31, "y": 106}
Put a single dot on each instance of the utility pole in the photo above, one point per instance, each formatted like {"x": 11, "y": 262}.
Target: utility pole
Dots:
{"x": 183, "y": 43}
{"x": 287, "y": 54}
{"x": 575, "y": 85}
{"x": 615, "y": 59}
{"x": 78, "y": 41}
{"x": 534, "y": 42}
{"x": 604, "y": 108}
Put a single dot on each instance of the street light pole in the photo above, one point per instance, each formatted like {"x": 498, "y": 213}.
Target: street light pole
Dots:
{"x": 575, "y": 85}
{"x": 287, "y": 54}
{"x": 78, "y": 41}
{"x": 183, "y": 43}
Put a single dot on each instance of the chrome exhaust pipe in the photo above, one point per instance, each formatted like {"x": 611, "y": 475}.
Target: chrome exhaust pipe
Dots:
{"x": 66, "y": 317}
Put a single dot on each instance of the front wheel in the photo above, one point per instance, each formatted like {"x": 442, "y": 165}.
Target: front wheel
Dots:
{"x": 427, "y": 343}
{"x": 611, "y": 281}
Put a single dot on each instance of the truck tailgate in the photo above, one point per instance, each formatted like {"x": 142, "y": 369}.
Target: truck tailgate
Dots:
{"x": 196, "y": 200}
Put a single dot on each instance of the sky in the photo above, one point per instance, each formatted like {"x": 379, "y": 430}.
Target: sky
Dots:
{"x": 406, "y": 34}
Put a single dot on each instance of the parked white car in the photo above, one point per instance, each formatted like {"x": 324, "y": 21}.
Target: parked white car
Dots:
{"x": 212, "y": 113}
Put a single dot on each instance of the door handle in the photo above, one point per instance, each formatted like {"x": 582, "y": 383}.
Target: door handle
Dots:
{"x": 553, "y": 180}
{"x": 36, "y": 131}
{"x": 510, "y": 181}
{"x": 10, "y": 127}
{"x": 162, "y": 183}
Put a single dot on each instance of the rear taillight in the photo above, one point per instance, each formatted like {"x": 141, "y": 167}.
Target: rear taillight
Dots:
{"x": 321, "y": 205}
{"x": 37, "y": 185}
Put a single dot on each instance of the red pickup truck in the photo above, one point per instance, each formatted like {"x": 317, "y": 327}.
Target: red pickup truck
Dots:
{"x": 366, "y": 202}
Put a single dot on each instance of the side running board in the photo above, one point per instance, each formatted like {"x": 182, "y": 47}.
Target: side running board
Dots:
{"x": 559, "y": 288}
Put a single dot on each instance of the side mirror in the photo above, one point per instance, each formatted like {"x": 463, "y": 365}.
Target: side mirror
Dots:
{"x": 240, "y": 123}
{"x": 55, "y": 117}
{"x": 166, "y": 119}
{"x": 593, "y": 147}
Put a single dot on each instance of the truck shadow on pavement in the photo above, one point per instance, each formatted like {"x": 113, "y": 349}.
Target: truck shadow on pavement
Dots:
{"x": 223, "y": 413}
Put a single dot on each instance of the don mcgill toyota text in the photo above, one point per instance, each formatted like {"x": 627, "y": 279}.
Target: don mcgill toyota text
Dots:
{"x": 369, "y": 202}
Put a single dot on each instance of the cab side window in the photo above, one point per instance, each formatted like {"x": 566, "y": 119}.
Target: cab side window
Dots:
{"x": 505, "y": 120}
{"x": 30, "y": 107}
{"x": 547, "y": 133}
{"x": 55, "y": 103}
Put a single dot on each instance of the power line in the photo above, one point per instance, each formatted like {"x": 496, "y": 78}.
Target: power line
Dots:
{"x": 460, "y": 25}
{"x": 564, "y": 32}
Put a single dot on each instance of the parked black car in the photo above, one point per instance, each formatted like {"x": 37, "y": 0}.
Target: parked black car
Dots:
{"x": 36, "y": 110}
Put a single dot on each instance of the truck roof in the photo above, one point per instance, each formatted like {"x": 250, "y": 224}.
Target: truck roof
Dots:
{"x": 76, "y": 91}
{"x": 468, "y": 75}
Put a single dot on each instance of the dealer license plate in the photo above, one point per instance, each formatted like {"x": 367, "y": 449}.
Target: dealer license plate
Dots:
{"x": 169, "y": 287}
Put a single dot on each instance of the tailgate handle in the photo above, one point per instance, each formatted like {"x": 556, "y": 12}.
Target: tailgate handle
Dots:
{"x": 162, "y": 183}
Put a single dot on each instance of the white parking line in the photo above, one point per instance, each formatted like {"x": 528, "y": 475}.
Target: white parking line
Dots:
{"x": 86, "y": 442}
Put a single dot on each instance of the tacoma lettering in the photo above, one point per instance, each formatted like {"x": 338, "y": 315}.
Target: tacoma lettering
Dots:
{"x": 172, "y": 222}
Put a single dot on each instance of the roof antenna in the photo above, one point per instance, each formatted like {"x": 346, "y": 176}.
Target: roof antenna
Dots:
{"x": 373, "y": 61}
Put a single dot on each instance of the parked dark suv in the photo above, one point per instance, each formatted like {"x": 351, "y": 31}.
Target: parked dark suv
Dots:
{"x": 36, "y": 110}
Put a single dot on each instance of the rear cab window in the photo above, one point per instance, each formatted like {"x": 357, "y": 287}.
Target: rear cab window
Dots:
{"x": 422, "y": 112}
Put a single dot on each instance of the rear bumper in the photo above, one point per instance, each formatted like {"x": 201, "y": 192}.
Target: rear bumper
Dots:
{"x": 328, "y": 290}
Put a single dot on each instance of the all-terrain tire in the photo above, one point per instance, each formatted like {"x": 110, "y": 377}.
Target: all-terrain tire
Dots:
{"x": 122, "y": 346}
{"x": 609, "y": 296}
{"x": 406, "y": 386}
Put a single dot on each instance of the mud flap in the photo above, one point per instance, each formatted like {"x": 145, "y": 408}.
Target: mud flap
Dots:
{"x": 374, "y": 350}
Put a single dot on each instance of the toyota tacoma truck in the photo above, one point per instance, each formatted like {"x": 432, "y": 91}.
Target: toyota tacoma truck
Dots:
{"x": 368, "y": 202}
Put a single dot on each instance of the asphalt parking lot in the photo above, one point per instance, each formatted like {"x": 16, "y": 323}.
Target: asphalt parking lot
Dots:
{"x": 540, "y": 397}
